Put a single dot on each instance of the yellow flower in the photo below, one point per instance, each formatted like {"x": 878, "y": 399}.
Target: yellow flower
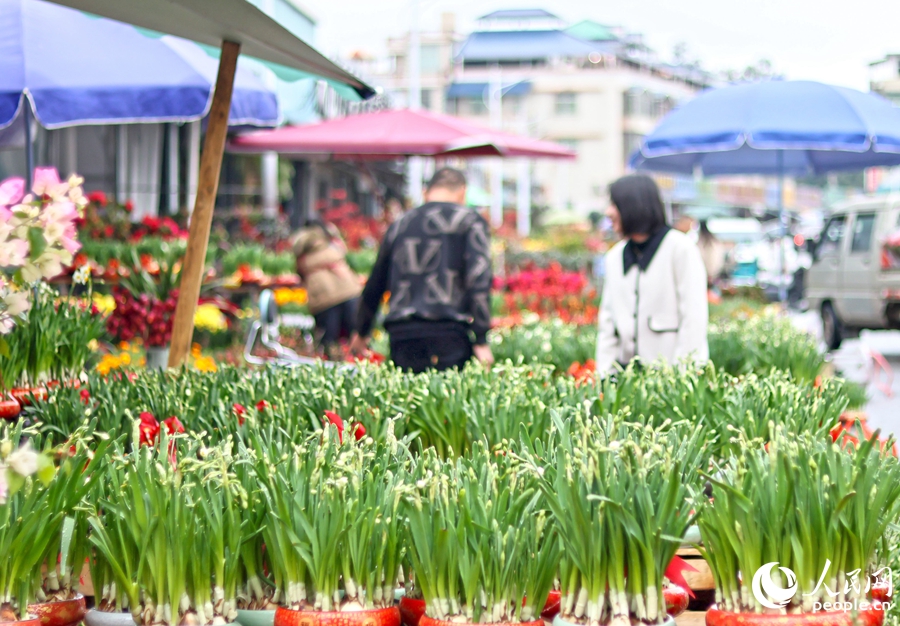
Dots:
{"x": 209, "y": 317}
{"x": 205, "y": 364}
{"x": 105, "y": 304}
{"x": 125, "y": 358}
{"x": 295, "y": 295}
{"x": 124, "y": 345}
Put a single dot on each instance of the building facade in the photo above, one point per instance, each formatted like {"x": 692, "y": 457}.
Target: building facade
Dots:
{"x": 589, "y": 86}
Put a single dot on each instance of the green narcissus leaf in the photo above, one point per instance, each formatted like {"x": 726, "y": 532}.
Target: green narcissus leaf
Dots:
{"x": 14, "y": 480}
{"x": 4, "y": 347}
{"x": 46, "y": 470}
{"x": 37, "y": 241}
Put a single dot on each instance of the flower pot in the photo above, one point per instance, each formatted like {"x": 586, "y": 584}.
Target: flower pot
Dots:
{"x": 871, "y": 617}
{"x": 377, "y": 617}
{"x": 677, "y": 599}
{"x": 411, "y": 610}
{"x": 25, "y": 395}
{"x": 61, "y": 613}
{"x": 25, "y": 622}
{"x": 108, "y": 618}
{"x": 559, "y": 621}
{"x": 158, "y": 358}
{"x": 9, "y": 408}
{"x": 428, "y": 621}
{"x": 255, "y": 617}
{"x": 552, "y": 606}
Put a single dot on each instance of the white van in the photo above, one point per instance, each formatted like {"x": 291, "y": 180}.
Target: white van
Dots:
{"x": 854, "y": 282}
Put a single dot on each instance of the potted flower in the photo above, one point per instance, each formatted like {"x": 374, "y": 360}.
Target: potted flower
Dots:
{"x": 166, "y": 529}
{"x": 481, "y": 545}
{"x": 37, "y": 500}
{"x": 792, "y": 529}
{"x": 618, "y": 493}
{"x": 145, "y": 307}
{"x": 333, "y": 525}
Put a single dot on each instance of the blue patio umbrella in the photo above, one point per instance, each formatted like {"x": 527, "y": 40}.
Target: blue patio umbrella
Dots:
{"x": 774, "y": 128}
{"x": 68, "y": 68}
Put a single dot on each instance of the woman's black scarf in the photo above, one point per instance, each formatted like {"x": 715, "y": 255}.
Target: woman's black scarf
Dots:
{"x": 641, "y": 254}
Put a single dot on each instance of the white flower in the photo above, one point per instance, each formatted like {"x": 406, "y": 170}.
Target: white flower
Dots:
{"x": 24, "y": 461}
{"x": 81, "y": 275}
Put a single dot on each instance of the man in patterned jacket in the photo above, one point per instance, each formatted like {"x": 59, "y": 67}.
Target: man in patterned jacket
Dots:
{"x": 436, "y": 263}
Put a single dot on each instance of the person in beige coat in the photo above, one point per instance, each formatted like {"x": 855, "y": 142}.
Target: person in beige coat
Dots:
{"x": 332, "y": 287}
{"x": 654, "y": 303}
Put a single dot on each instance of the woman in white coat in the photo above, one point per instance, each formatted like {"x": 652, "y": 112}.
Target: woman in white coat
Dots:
{"x": 654, "y": 303}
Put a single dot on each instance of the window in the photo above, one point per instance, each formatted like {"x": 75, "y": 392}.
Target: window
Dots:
{"x": 832, "y": 236}
{"x": 426, "y": 98}
{"x": 630, "y": 103}
{"x": 565, "y": 103}
{"x": 430, "y": 59}
{"x": 475, "y": 106}
{"x": 571, "y": 144}
{"x": 863, "y": 229}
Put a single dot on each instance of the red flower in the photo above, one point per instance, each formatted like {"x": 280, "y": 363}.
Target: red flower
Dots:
{"x": 239, "y": 410}
{"x": 173, "y": 425}
{"x": 108, "y": 231}
{"x": 335, "y": 419}
{"x": 149, "y": 428}
{"x": 85, "y": 395}
{"x": 359, "y": 432}
{"x": 97, "y": 197}
{"x": 263, "y": 405}
{"x": 128, "y": 206}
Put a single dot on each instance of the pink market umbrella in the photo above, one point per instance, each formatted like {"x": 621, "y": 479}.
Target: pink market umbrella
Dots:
{"x": 395, "y": 133}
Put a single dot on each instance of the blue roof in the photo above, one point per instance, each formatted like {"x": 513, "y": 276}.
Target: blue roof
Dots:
{"x": 477, "y": 90}
{"x": 523, "y": 45}
{"x": 517, "y": 14}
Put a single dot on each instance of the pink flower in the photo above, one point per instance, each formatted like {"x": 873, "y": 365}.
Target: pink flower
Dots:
{"x": 13, "y": 253}
{"x": 11, "y": 191}
{"x": 47, "y": 183}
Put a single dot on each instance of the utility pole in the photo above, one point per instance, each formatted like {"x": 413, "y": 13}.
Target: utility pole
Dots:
{"x": 495, "y": 103}
{"x": 269, "y": 160}
{"x": 414, "y": 75}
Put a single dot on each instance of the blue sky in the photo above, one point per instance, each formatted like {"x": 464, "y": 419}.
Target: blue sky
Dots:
{"x": 827, "y": 40}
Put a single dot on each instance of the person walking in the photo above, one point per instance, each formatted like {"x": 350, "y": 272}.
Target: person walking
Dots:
{"x": 713, "y": 253}
{"x": 435, "y": 261}
{"x": 654, "y": 302}
{"x": 332, "y": 287}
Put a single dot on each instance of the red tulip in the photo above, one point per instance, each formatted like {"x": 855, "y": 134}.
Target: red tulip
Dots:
{"x": 85, "y": 395}
{"x": 262, "y": 405}
{"x": 149, "y": 429}
{"x": 359, "y": 432}
{"x": 335, "y": 419}
{"x": 173, "y": 425}
{"x": 239, "y": 411}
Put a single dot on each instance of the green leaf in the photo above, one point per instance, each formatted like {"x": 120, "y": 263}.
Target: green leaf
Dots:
{"x": 37, "y": 241}
{"x": 15, "y": 481}
{"x": 4, "y": 347}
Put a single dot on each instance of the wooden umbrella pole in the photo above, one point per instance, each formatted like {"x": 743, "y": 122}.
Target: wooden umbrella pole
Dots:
{"x": 201, "y": 220}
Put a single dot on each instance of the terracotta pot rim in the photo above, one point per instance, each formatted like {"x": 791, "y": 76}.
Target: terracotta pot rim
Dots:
{"x": 79, "y": 597}
{"x": 337, "y": 613}
{"x": 431, "y": 620}
{"x": 829, "y": 618}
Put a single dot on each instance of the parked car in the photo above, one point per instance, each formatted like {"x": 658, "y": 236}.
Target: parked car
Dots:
{"x": 854, "y": 281}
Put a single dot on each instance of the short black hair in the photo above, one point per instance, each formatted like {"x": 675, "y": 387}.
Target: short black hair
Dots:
{"x": 640, "y": 206}
{"x": 447, "y": 178}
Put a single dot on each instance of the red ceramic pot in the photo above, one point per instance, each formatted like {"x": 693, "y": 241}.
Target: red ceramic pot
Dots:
{"x": 26, "y": 394}
{"x": 551, "y": 608}
{"x": 411, "y": 611}
{"x": 9, "y": 408}
{"x": 677, "y": 599}
{"x": 377, "y": 617}
{"x": 62, "y": 613}
{"x": 871, "y": 617}
{"x": 881, "y": 592}
{"x": 24, "y": 622}
{"x": 427, "y": 621}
